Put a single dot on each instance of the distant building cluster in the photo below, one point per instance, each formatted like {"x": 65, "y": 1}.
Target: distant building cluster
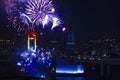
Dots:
{"x": 6, "y": 50}
{"x": 108, "y": 46}
{"x": 105, "y": 47}
{"x": 100, "y": 48}
{"x": 4, "y": 43}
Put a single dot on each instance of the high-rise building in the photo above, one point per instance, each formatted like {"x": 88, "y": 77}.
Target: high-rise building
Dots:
{"x": 71, "y": 41}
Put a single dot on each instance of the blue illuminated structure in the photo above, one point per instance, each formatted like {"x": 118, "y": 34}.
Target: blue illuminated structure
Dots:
{"x": 69, "y": 69}
{"x": 64, "y": 67}
{"x": 35, "y": 63}
{"x": 71, "y": 41}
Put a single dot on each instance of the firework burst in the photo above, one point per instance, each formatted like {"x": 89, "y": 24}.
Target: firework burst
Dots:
{"x": 26, "y": 14}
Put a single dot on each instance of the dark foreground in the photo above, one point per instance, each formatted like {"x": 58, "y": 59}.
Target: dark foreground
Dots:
{"x": 92, "y": 72}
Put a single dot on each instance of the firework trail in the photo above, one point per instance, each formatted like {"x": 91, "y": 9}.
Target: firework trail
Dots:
{"x": 26, "y": 14}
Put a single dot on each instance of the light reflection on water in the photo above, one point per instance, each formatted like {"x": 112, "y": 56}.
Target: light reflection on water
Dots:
{"x": 69, "y": 78}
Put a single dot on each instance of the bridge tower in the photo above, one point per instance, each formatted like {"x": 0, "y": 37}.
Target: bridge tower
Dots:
{"x": 71, "y": 41}
{"x": 32, "y": 41}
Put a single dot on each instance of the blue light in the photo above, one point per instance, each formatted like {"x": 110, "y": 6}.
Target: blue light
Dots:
{"x": 70, "y": 71}
{"x": 35, "y": 63}
{"x": 33, "y": 54}
{"x": 42, "y": 76}
{"x": 43, "y": 58}
{"x": 28, "y": 67}
{"x": 19, "y": 64}
{"x": 68, "y": 68}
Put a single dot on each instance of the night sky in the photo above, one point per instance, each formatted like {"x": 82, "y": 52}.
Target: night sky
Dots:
{"x": 86, "y": 18}
{"x": 89, "y": 18}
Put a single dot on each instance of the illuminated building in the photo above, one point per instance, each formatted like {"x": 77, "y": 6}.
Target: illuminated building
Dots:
{"x": 71, "y": 41}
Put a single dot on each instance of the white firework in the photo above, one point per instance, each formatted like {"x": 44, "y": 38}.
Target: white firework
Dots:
{"x": 26, "y": 14}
